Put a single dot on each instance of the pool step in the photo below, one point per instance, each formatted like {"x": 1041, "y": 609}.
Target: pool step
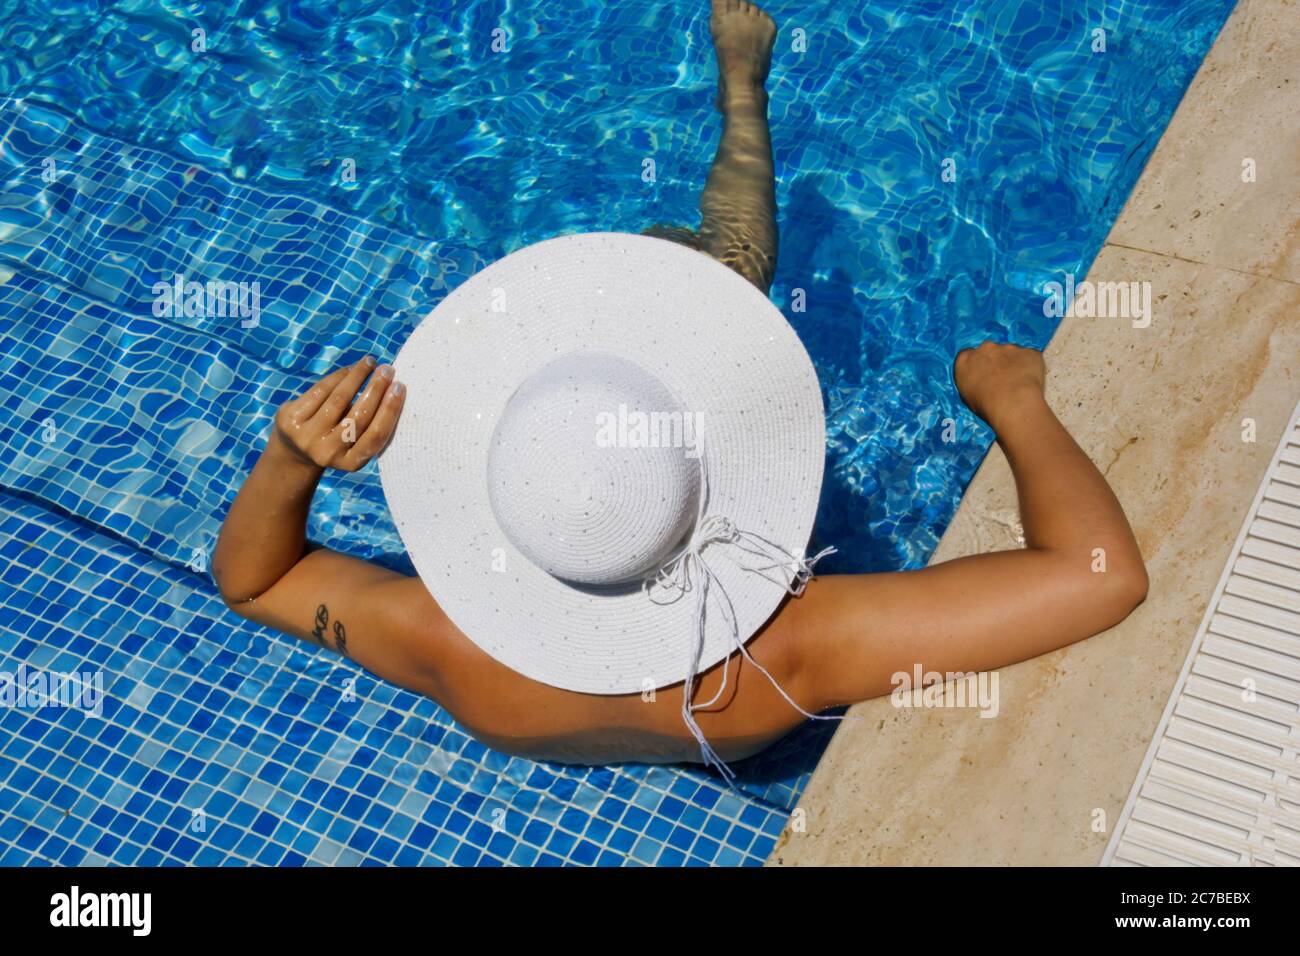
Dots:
{"x": 1220, "y": 784}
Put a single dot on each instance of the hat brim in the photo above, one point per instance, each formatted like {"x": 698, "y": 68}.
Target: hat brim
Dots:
{"x": 723, "y": 349}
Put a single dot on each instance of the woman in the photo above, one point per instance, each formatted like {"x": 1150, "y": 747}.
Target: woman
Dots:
{"x": 840, "y": 642}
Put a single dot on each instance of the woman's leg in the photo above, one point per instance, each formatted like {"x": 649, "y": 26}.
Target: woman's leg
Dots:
{"x": 739, "y": 200}
{"x": 684, "y": 235}
{"x": 738, "y": 206}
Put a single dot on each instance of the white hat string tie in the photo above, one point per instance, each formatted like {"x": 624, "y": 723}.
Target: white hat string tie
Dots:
{"x": 688, "y": 571}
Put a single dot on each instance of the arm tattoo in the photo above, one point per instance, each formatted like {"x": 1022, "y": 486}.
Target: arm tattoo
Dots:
{"x": 340, "y": 633}
{"x": 322, "y": 618}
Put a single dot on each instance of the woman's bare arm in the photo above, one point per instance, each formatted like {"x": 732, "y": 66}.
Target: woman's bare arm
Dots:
{"x": 1080, "y": 572}
{"x": 263, "y": 566}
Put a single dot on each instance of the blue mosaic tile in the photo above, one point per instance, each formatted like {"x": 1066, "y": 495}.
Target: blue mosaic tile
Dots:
{"x": 128, "y": 789}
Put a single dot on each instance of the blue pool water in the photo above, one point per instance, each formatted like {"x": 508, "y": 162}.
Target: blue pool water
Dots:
{"x": 127, "y": 157}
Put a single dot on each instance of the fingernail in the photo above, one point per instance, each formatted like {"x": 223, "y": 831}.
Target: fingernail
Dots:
{"x": 397, "y": 389}
{"x": 368, "y": 360}
{"x": 386, "y": 371}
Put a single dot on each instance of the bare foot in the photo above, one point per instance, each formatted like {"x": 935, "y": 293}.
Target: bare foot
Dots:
{"x": 742, "y": 38}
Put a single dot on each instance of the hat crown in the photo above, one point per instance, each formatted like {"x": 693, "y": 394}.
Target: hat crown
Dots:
{"x": 593, "y": 471}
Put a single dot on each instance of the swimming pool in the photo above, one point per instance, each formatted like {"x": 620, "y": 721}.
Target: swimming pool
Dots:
{"x": 127, "y": 157}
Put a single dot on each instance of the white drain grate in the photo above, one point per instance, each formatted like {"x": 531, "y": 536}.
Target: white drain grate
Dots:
{"x": 1220, "y": 785}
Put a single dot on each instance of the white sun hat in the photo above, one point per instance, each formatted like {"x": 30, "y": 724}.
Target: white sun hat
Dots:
{"x": 609, "y": 462}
